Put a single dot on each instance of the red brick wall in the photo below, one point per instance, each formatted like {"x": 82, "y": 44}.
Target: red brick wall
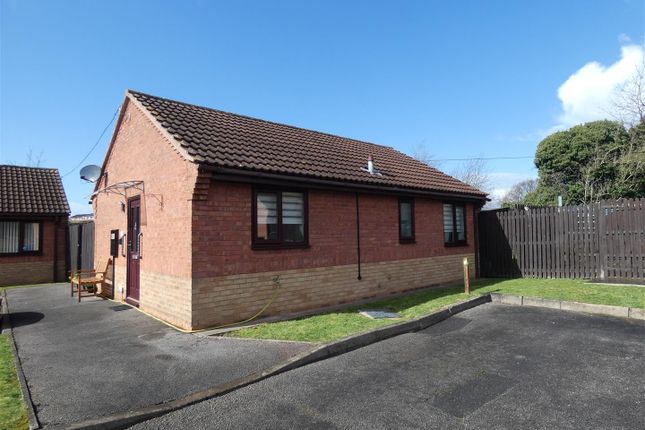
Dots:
{"x": 35, "y": 269}
{"x": 231, "y": 281}
{"x": 142, "y": 152}
{"x": 222, "y": 232}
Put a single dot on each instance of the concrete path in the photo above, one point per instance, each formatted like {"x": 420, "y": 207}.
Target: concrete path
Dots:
{"x": 97, "y": 357}
{"x": 491, "y": 367}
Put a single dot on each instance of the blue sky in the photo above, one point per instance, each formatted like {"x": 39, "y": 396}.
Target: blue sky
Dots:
{"x": 462, "y": 78}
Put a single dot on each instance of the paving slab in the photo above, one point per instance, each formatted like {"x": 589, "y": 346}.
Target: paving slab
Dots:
{"x": 491, "y": 367}
{"x": 96, "y": 358}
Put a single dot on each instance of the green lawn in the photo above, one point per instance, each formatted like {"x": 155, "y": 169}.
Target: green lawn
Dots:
{"x": 566, "y": 289}
{"x": 13, "y": 413}
{"x": 336, "y": 325}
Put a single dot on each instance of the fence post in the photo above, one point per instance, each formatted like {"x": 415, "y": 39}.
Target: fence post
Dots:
{"x": 602, "y": 248}
{"x": 466, "y": 276}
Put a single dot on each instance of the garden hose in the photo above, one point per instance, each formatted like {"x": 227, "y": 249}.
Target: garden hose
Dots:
{"x": 276, "y": 289}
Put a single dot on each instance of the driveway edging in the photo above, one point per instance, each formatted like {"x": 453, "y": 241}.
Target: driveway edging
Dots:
{"x": 126, "y": 419}
{"x": 589, "y": 308}
{"x": 5, "y": 320}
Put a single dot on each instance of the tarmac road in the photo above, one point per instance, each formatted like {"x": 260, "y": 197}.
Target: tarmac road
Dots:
{"x": 494, "y": 366}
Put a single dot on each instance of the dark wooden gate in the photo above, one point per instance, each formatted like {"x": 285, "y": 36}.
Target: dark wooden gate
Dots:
{"x": 604, "y": 241}
{"x": 81, "y": 244}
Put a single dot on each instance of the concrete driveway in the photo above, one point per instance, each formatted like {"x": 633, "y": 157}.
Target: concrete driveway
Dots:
{"x": 492, "y": 367}
{"x": 95, "y": 358}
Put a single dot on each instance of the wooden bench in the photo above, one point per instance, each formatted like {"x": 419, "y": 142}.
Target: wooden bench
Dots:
{"x": 85, "y": 281}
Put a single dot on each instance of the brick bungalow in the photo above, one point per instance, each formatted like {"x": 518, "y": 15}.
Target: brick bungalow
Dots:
{"x": 216, "y": 205}
{"x": 33, "y": 226}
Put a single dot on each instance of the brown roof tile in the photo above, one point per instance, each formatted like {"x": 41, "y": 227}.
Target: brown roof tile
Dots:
{"x": 31, "y": 191}
{"x": 229, "y": 140}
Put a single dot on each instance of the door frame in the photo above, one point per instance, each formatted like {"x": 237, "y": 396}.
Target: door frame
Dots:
{"x": 128, "y": 299}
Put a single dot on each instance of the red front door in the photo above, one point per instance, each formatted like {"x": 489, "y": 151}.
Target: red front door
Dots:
{"x": 134, "y": 256}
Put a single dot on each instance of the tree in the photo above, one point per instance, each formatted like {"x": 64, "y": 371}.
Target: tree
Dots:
{"x": 629, "y": 101}
{"x": 33, "y": 159}
{"x": 518, "y": 192}
{"x": 589, "y": 162}
{"x": 630, "y": 177}
{"x": 422, "y": 154}
{"x": 474, "y": 172}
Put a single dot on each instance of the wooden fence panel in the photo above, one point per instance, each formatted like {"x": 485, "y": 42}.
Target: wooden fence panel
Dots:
{"x": 81, "y": 245}
{"x": 638, "y": 240}
{"x": 604, "y": 240}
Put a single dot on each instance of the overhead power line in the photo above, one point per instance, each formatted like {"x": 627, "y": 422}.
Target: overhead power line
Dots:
{"x": 519, "y": 157}
{"x": 484, "y": 158}
{"x": 95, "y": 144}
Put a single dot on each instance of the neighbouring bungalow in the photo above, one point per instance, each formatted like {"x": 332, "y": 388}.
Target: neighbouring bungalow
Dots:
{"x": 33, "y": 226}
{"x": 212, "y": 207}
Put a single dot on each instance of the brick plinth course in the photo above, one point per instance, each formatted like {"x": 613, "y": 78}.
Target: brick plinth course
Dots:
{"x": 236, "y": 297}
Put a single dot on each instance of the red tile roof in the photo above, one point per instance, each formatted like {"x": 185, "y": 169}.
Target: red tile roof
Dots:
{"x": 223, "y": 139}
{"x": 31, "y": 191}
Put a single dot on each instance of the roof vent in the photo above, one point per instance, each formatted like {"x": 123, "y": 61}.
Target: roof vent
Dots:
{"x": 370, "y": 167}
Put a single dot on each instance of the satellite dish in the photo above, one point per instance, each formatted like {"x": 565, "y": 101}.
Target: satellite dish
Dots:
{"x": 91, "y": 173}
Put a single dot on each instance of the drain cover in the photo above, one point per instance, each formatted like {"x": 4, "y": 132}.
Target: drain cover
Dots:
{"x": 120, "y": 308}
{"x": 377, "y": 314}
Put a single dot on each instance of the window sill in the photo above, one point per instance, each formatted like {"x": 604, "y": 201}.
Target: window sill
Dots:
{"x": 21, "y": 254}
{"x": 455, "y": 244}
{"x": 407, "y": 241}
{"x": 278, "y": 246}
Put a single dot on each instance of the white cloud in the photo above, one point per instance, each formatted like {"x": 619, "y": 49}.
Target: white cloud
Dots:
{"x": 624, "y": 39}
{"x": 587, "y": 94}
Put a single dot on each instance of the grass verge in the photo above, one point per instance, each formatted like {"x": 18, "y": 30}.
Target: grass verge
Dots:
{"x": 336, "y": 325}
{"x": 572, "y": 290}
{"x": 330, "y": 326}
{"x": 13, "y": 413}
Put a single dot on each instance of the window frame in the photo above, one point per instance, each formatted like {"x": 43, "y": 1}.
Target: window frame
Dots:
{"x": 279, "y": 243}
{"x": 21, "y": 237}
{"x": 412, "y": 238}
{"x": 455, "y": 242}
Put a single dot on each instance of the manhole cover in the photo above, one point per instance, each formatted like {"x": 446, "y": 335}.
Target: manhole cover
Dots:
{"x": 377, "y": 314}
{"x": 120, "y": 308}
